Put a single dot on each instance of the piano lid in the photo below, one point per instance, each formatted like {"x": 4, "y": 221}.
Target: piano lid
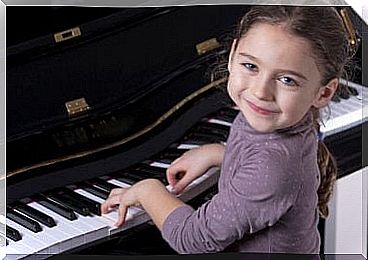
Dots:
{"x": 110, "y": 79}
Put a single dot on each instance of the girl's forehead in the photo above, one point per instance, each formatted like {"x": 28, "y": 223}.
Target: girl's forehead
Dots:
{"x": 275, "y": 45}
{"x": 276, "y": 36}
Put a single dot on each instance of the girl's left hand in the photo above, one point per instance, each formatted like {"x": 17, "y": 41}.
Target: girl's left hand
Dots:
{"x": 123, "y": 198}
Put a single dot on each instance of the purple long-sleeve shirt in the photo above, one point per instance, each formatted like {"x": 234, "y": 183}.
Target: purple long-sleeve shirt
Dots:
{"x": 267, "y": 199}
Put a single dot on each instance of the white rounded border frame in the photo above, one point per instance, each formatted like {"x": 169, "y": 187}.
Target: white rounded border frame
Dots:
{"x": 352, "y": 190}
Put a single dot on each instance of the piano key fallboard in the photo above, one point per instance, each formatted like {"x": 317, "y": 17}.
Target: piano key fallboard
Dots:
{"x": 65, "y": 218}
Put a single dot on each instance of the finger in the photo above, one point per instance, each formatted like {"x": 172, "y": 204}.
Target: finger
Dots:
{"x": 173, "y": 174}
{"x": 176, "y": 160}
{"x": 181, "y": 184}
{"x": 110, "y": 203}
{"x": 174, "y": 169}
{"x": 116, "y": 191}
{"x": 123, "y": 209}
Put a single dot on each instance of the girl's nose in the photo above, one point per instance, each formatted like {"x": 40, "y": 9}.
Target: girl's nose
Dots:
{"x": 263, "y": 89}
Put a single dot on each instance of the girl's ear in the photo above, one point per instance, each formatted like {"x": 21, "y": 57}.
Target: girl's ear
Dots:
{"x": 231, "y": 55}
{"x": 326, "y": 93}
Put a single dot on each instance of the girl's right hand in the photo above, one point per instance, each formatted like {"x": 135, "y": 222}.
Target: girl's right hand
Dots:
{"x": 193, "y": 164}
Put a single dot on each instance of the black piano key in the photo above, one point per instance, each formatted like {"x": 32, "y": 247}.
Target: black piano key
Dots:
{"x": 169, "y": 155}
{"x": 103, "y": 194}
{"x": 6, "y": 242}
{"x": 13, "y": 234}
{"x": 135, "y": 174}
{"x": 141, "y": 174}
{"x": 102, "y": 184}
{"x": 174, "y": 152}
{"x": 93, "y": 206}
{"x": 23, "y": 220}
{"x": 218, "y": 127}
{"x": 125, "y": 179}
{"x": 56, "y": 207}
{"x": 195, "y": 141}
{"x": 167, "y": 160}
{"x": 210, "y": 137}
{"x": 148, "y": 171}
{"x": 231, "y": 112}
{"x": 206, "y": 127}
{"x": 34, "y": 213}
{"x": 151, "y": 169}
{"x": 69, "y": 202}
{"x": 199, "y": 139}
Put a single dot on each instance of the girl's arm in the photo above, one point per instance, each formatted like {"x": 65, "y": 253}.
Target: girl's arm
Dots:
{"x": 151, "y": 194}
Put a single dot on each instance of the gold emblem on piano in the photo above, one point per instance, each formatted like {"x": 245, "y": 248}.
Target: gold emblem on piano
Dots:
{"x": 67, "y": 34}
{"x": 207, "y": 46}
{"x": 77, "y": 106}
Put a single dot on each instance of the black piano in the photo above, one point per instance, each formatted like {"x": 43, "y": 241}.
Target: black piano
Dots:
{"x": 99, "y": 98}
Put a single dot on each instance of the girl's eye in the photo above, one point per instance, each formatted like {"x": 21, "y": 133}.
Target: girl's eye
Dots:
{"x": 250, "y": 66}
{"x": 288, "y": 81}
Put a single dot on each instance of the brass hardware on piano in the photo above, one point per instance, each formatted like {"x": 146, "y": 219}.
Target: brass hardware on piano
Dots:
{"x": 353, "y": 39}
{"x": 77, "y": 106}
{"x": 207, "y": 46}
{"x": 67, "y": 34}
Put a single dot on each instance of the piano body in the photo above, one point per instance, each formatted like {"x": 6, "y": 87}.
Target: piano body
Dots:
{"x": 111, "y": 96}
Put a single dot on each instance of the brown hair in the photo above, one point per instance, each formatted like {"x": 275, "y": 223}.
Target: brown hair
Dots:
{"x": 323, "y": 28}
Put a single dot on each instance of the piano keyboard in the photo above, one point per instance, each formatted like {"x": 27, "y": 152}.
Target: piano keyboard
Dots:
{"x": 348, "y": 112}
{"x": 56, "y": 223}
{"x": 74, "y": 225}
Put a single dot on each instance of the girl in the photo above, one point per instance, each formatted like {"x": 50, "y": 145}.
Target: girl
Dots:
{"x": 284, "y": 65}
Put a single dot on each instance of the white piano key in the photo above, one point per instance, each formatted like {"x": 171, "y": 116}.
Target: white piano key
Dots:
{"x": 187, "y": 146}
{"x": 343, "y": 122}
{"x": 35, "y": 241}
{"x": 160, "y": 165}
{"x": 109, "y": 218}
{"x": 119, "y": 183}
{"x": 132, "y": 211}
{"x": 135, "y": 215}
{"x": 97, "y": 229}
{"x": 347, "y": 113}
{"x": 89, "y": 227}
{"x": 220, "y": 122}
{"x": 16, "y": 250}
{"x": 51, "y": 239}
{"x": 73, "y": 236}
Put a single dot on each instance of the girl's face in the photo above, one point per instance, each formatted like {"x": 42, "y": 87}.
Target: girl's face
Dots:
{"x": 274, "y": 79}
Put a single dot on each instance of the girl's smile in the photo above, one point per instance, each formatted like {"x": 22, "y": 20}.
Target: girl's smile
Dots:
{"x": 262, "y": 110}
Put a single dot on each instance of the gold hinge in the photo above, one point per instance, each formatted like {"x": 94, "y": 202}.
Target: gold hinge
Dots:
{"x": 67, "y": 34}
{"x": 207, "y": 46}
{"x": 76, "y": 106}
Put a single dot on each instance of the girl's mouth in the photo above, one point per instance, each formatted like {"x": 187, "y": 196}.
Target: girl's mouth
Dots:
{"x": 260, "y": 110}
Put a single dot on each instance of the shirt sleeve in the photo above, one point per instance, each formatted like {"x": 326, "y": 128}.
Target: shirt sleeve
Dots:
{"x": 257, "y": 195}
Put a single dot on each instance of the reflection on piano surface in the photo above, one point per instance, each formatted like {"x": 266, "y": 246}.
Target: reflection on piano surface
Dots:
{"x": 54, "y": 194}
